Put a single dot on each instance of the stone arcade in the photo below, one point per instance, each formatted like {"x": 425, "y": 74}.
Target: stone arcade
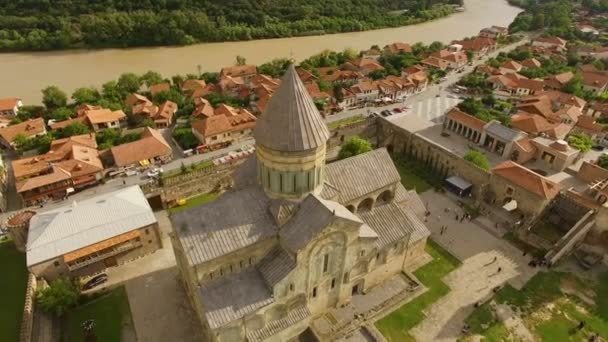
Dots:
{"x": 301, "y": 237}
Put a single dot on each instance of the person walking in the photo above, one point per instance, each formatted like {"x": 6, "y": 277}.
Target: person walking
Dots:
{"x": 499, "y": 270}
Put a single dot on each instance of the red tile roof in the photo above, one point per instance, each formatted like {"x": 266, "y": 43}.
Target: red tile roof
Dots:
{"x": 527, "y": 179}
{"x": 466, "y": 119}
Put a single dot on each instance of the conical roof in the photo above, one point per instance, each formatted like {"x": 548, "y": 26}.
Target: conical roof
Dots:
{"x": 291, "y": 121}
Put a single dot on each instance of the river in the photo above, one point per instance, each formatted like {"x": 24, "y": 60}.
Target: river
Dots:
{"x": 25, "y": 74}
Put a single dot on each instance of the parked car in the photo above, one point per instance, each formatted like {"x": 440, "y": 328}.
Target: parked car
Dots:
{"x": 154, "y": 172}
{"x": 443, "y": 79}
{"x": 396, "y": 110}
{"x": 386, "y": 113}
{"x": 95, "y": 281}
{"x": 598, "y": 148}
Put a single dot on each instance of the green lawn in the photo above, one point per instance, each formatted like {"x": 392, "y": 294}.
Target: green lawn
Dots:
{"x": 111, "y": 313}
{"x": 190, "y": 167}
{"x": 194, "y": 202}
{"x": 549, "y": 313}
{"x": 344, "y": 122}
{"x": 396, "y": 326}
{"x": 411, "y": 175}
{"x": 13, "y": 281}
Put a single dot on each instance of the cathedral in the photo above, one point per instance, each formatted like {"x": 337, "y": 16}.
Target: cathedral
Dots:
{"x": 295, "y": 237}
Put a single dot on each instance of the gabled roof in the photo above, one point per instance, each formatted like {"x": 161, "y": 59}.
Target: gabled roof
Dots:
{"x": 527, "y": 179}
{"x": 9, "y": 103}
{"x": 398, "y": 47}
{"x": 68, "y": 228}
{"x": 477, "y": 43}
{"x": 28, "y": 128}
{"x": 105, "y": 115}
{"x": 57, "y": 175}
{"x": 151, "y": 145}
{"x": 531, "y": 63}
{"x": 314, "y": 214}
{"x": 239, "y": 70}
{"x": 159, "y": 88}
{"x": 466, "y": 119}
{"x": 291, "y": 121}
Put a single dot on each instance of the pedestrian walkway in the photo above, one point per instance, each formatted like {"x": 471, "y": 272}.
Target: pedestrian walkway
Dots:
{"x": 487, "y": 262}
{"x": 433, "y": 108}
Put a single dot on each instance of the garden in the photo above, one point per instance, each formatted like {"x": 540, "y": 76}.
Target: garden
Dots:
{"x": 12, "y": 290}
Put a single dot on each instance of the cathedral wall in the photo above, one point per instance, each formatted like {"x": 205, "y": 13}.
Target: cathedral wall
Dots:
{"x": 233, "y": 262}
{"x": 387, "y": 263}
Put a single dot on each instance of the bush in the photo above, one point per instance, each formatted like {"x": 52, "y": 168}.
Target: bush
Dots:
{"x": 353, "y": 147}
{"x": 185, "y": 138}
{"x": 478, "y": 159}
{"x": 581, "y": 141}
{"x": 60, "y": 296}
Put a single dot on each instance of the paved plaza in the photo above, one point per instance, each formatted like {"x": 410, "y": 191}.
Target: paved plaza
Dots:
{"x": 482, "y": 254}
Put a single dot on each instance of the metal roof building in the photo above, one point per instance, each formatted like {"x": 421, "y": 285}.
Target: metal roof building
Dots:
{"x": 71, "y": 227}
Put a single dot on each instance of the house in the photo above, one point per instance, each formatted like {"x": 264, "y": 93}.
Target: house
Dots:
{"x": 509, "y": 67}
{"x": 75, "y": 157}
{"x": 28, "y": 129}
{"x": 263, "y": 260}
{"x": 587, "y": 29}
{"x": 500, "y": 139}
{"x": 559, "y": 81}
{"x": 305, "y": 76}
{"x": 550, "y": 42}
{"x": 589, "y": 126}
{"x": 435, "y": 62}
{"x": 234, "y": 86}
{"x": 454, "y": 57}
{"x": 519, "y": 189}
{"x": 549, "y": 154}
{"x": 164, "y": 115}
{"x": 531, "y": 63}
{"x": 226, "y": 126}
{"x": 362, "y": 65}
{"x": 152, "y": 148}
{"x": 397, "y": 47}
{"x": 190, "y": 86}
{"x": 514, "y": 85}
{"x": 245, "y": 72}
{"x": 479, "y": 46}
{"x": 373, "y": 53}
{"x": 101, "y": 119}
{"x": 85, "y": 238}
{"x": 349, "y": 99}
{"x": 203, "y": 109}
{"x": 5, "y": 120}
{"x": 366, "y": 91}
{"x": 159, "y": 88}
{"x": 597, "y": 109}
{"x": 536, "y": 125}
{"x": 132, "y": 100}
{"x": 10, "y": 106}
{"x": 494, "y": 32}
{"x": 464, "y": 124}
{"x": 559, "y": 99}
{"x": 594, "y": 81}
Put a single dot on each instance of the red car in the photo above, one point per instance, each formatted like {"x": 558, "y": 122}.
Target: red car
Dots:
{"x": 396, "y": 110}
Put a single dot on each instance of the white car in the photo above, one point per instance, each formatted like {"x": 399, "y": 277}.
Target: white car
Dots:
{"x": 443, "y": 79}
{"x": 154, "y": 172}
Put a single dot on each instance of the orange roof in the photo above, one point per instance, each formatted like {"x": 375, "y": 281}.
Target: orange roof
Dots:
{"x": 134, "y": 99}
{"x": 226, "y": 119}
{"x": 525, "y": 144}
{"x": 550, "y": 40}
{"x": 527, "y": 179}
{"x": 512, "y": 65}
{"x": 159, "y": 88}
{"x": 104, "y": 115}
{"x": 530, "y": 123}
{"x": 531, "y": 63}
{"x": 28, "y": 128}
{"x": 65, "y": 123}
{"x": 398, "y": 47}
{"x": 79, "y": 253}
{"x": 203, "y": 109}
{"x": 166, "y": 110}
{"x": 9, "y": 103}
{"x": 466, "y": 119}
{"x": 151, "y": 145}
{"x": 239, "y": 70}
{"x": 476, "y": 44}
{"x": 56, "y": 176}
{"x": 588, "y": 123}
{"x": 193, "y": 84}
{"x": 593, "y": 79}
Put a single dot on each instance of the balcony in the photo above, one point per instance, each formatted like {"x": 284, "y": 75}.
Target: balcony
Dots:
{"x": 114, "y": 251}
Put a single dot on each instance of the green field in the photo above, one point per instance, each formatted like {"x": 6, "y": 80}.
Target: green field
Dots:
{"x": 396, "y": 326}
{"x": 344, "y": 122}
{"x": 194, "y": 202}
{"x": 189, "y": 168}
{"x": 110, "y": 312}
{"x": 13, "y": 281}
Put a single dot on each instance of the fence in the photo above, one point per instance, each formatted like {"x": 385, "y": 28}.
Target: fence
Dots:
{"x": 27, "y": 323}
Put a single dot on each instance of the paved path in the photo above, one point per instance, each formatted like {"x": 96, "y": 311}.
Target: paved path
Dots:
{"x": 481, "y": 254}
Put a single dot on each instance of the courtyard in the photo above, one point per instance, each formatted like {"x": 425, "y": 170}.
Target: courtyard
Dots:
{"x": 12, "y": 290}
{"x": 486, "y": 261}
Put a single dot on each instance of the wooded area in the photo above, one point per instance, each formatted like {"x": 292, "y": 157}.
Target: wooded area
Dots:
{"x": 60, "y": 24}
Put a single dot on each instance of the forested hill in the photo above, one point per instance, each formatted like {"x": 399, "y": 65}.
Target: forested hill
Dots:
{"x": 59, "y": 24}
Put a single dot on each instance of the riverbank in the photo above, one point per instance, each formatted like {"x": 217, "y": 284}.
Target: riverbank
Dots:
{"x": 30, "y": 72}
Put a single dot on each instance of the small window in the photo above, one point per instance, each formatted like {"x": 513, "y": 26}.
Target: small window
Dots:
{"x": 250, "y": 260}
{"x": 314, "y": 292}
{"x": 221, "y": 271}
{"x": 56, "y": 263}
{"x": 325, "y": 263}
{"x": 362, "y": 253}
{"x": 291, "y": 287}
{"x": 147, "y": 231}
{"x": 241, "y": 263}
{"x": 333, "y": 283}
{"x": 231, "y": 270}
{"x": 378, "y": 256}
{"x": 149, "y": 241}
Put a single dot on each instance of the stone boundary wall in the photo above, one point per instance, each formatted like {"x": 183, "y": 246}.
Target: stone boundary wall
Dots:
{"x": 574, "y": 235}
{"x": 27, "y": 322}
{"x": 367, "y": 129}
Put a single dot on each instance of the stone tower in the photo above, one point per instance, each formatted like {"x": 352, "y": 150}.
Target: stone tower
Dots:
{"x": 18, "y": 226}
{"x": 291, "y": 139}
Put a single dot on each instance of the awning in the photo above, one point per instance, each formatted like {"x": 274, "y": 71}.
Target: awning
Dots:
{"x": 510, "y": 206}
{"x": 459, "y": 183}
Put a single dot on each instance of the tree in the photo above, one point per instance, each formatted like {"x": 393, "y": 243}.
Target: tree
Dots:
{"x": 478, "y": 159}
{"x": 86, "y": 95}
{"x": 60, "y": 296}
{"x": 53, "y": 97}
{"x": 581, "y": 142}
{"x": 354, "y": 146}
{"x": 111, "y": 92}
{"x": 151, "y": 78}
{"x": 338, "y": 92}
{"x": 350, "y": 53}
{"x": 61, "y": 114}
{"x": 436, "y": 46}
{"x": 76, "y": 128}
{"x": 185, "y": 138}
{"x": 240, "y": 60}
{"x": 128, "y": 83}
{"x": 602, "y": 161}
